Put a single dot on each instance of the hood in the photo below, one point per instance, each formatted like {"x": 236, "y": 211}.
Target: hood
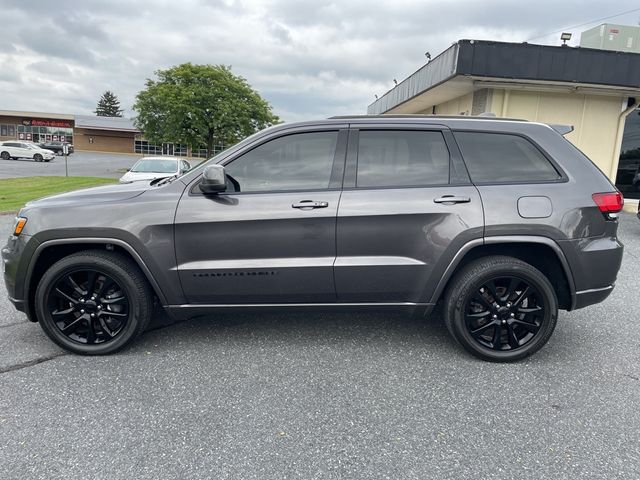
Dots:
{"x": 138, "y": 176}
{"x": 106, "y": 193}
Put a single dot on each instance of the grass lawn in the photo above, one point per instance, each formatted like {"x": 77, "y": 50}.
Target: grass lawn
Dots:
{"x": 15, "y": 192}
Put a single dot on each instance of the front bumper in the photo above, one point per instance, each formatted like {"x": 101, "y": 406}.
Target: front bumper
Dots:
{"x": 14, "y": 266}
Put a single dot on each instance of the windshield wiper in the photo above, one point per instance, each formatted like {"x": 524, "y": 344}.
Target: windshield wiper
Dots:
{"x": 162, "y": 181}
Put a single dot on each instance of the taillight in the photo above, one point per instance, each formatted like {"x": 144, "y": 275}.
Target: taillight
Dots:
{"x": 609, "y": 202}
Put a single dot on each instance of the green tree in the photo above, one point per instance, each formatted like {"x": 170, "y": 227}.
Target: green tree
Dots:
{"x": 108, "y": 105}
{"x": 199, "y": 105}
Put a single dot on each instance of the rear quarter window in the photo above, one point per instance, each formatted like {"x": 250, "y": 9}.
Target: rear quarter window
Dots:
{"x": 500, "y": 157}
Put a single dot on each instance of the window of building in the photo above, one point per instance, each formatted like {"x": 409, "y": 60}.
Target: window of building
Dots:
{"x": 390, "y": 158}
{"x": 7, "y": 130}
{"x": 300, "y": 161}
{"x": 498, "y": 157}
{"x": 628, "y": 174}
{"x": 44, "y": 134}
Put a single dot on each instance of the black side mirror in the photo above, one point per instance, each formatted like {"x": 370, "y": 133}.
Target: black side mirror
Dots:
{"x": 214, "y": 179}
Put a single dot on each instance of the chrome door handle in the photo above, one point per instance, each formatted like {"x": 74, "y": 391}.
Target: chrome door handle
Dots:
{"x": 451, "y": 199}
{"x": 309, "y": 204}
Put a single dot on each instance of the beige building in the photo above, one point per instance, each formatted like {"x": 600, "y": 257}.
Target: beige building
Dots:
{"x": 595, "y": 91}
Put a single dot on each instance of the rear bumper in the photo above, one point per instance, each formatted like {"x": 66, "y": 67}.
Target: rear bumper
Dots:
{"x": 594, "y": 263}
{"x": 585, "y": 298}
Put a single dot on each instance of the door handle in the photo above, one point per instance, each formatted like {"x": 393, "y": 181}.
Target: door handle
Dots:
{"x": 451, "y": 199}
{"x": 310, "y": 204}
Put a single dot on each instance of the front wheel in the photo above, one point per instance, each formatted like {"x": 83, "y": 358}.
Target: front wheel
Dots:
{"x": 5, "y": 156}
{"x": 37, "y": 157}
{"x": 93, "y": 302}
{"x": 501, "y": 309}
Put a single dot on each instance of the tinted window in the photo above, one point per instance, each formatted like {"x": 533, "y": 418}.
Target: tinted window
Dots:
{"x": 389, "y": 158}
{"x": 497, "y": 157}
{"x": 296, "y": 162}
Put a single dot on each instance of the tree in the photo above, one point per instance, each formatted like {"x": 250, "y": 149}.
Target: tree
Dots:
{"x": 108, "y": 105}
{"x": 198, "y": 105}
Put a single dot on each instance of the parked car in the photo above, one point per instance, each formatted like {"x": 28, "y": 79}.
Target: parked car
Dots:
{"x": 502, "y": 222}
{"x": 58, "y": 147}
{"x": 151, "y": 168}
{"x": 18, "y": 149}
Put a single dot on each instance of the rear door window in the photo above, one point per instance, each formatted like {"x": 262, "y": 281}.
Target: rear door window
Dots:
{"x": 398, "y": 158}
{"x": 500, "y": 157}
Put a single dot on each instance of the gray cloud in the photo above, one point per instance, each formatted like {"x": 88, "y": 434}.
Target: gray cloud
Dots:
{"x": 308, "y": 58}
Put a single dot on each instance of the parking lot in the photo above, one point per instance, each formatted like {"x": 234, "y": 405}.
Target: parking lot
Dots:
{"x": 313, "y": 395}
{"x": 89, "y": 164}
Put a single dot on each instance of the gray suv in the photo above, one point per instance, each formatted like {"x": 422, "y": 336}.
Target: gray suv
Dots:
{"x": 502, "y": 222}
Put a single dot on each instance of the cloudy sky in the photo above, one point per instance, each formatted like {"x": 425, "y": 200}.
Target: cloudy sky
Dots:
{"x": 310, "y": 59}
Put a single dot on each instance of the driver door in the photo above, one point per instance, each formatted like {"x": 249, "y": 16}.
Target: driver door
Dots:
{"x": 271, "y": 237}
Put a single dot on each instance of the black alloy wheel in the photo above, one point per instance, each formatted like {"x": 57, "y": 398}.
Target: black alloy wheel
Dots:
{"x": 5, "y": 155}
{"x": 37, "y": 157}
{"x": 88, "y": 306}
{"x": 500, "y": 308}
{"x": 504, "y": 313}
{"x": 94, "y": 302}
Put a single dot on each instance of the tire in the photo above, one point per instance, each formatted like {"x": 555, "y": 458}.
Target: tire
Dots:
{"x": 5, "y": 156}
{"x": 110, "y": 317}
{"x": 37, "y": 157}
{"x": 520, "y": 324}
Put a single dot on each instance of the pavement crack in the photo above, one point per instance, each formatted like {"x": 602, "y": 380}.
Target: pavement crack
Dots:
{"x": 31, "y": 363}
{"x": 12, "y": 324}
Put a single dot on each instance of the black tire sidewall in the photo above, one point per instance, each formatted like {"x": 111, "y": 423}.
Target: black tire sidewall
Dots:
{"x": 66, "y": 266}
{"x": 519, "y": 269}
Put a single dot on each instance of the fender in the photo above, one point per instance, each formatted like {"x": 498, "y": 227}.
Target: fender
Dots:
{"x": 467, "y": 247}
{"x": 91, "y": 240}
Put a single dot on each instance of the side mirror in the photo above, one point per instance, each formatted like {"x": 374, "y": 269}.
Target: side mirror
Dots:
{"x": 214, "y": 180}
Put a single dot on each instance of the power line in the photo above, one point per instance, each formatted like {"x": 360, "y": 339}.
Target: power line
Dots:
{"x": 585, "y": 23}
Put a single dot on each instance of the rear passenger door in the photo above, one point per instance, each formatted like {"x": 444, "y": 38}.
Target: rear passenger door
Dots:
{"x": 407, "y": 207}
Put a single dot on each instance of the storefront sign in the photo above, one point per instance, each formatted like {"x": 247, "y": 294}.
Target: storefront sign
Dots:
{"x": 40, "y": 122}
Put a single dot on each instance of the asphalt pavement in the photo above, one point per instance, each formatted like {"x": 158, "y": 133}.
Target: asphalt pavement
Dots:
{"x": 335, "y": 396}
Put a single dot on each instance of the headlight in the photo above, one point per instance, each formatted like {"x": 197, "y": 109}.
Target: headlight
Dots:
{"x": 19, "y": 225}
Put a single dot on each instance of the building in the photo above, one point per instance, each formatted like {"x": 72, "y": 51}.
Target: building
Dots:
{"x": 88, "y": 133}
{"x": 594, "y": 90}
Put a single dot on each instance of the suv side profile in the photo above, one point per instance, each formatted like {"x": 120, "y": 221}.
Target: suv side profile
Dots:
{"x": 503, "y": 222}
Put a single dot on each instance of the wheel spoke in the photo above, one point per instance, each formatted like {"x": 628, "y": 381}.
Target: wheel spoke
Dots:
{"x": 491, "y": 286}
{"x": 513, "y": 339}
{"x": 511, "y": 289}
{"x": 104, "y": 327}
{"x": 109, "y": 313}
{"x": 522, "y": 296}
{"x": 529, "y": 310}
{"x": 63, "y": 312}
{"x": 75, "y": 286}
{"x": 531, "y": 327}
{"x": 478, "y": 331}
{"x": 73, "y": 325}
{"x": 60, "y": 293}
{"x": 479, "y": 298}
{"x": 496, "y": 342}
{"x": 112, "y": 300}
{"x": 91, "y": 333}
{"x": 92, "y": 277}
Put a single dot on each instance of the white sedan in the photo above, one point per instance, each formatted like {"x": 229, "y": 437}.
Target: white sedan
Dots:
{"x": 17, "y": 149}
{"x": 151, "y": 168}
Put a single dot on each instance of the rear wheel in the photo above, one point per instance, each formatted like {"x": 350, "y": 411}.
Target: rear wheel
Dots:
{"x": 5, "y": 156}
{"x": 93, "y": 302}
{"x": 37, "y": 157}
{"x": 501, "y": 309}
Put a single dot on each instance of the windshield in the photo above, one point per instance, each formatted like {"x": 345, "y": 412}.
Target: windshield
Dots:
{"x": 156, "y": 166}
{"x": 32, "y": 146}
